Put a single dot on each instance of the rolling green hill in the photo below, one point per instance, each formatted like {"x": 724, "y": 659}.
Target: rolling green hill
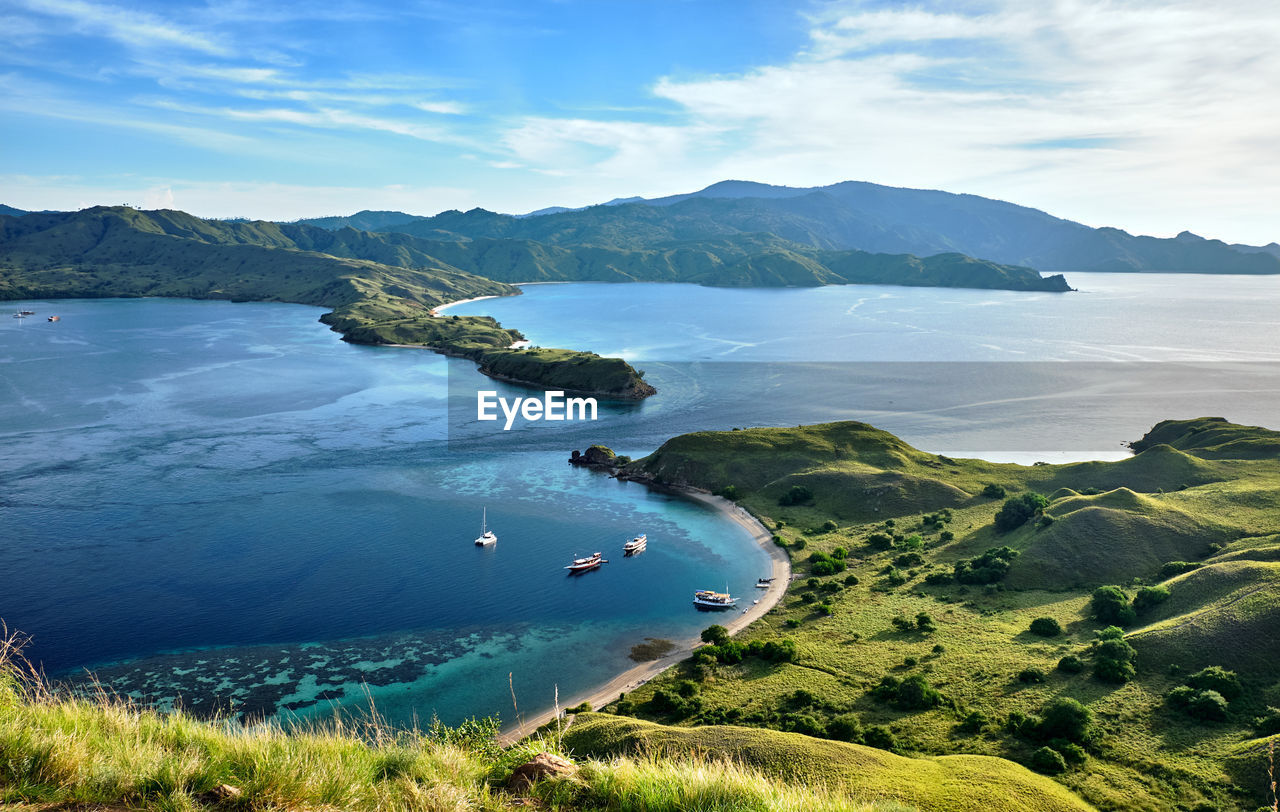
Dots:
{"x": 946, "y": 783}
{"x": 905, "y": 586}
{"x": 117, "y": 251}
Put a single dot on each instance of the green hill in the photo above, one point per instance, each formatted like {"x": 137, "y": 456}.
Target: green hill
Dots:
{"x": 910, "y": 611}
{"x": 945, "y": 783}
{"x": 117, "y": 251}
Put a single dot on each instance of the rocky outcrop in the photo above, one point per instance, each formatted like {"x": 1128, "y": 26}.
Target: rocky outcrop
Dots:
{"x": 543, "y": 765}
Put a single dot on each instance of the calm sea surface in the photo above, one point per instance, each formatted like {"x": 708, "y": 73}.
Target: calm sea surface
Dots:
{"x": 209, "y": 499}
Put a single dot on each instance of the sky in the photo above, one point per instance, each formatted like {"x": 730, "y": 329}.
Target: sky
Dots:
{"x": 1153, "y": 117}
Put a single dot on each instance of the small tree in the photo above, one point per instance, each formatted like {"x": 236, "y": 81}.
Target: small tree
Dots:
{"x": 993, "y": 491}
{"x": 798, "y": 495}
{"x": 1149, "y": 597}
{"x": 1065, "y": 718}
{"x": 715, "y": 634}
{"x": 1217, "y": 678}
{"x": 1018, "y": 509}
{"x": 1048, "y": 761}
{"x": 1046, "y": 627}
{"x": 1111, "y": 605}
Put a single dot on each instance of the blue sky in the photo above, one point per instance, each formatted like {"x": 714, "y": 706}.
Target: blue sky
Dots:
{"x": 1149, "y": 116}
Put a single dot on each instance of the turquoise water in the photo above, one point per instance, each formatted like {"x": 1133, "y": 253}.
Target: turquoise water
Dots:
{"x": 236, "y": 503}
{"x": 227, "y": 503}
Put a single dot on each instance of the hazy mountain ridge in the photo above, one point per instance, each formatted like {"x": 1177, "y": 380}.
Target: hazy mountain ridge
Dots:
{"x": 856, "y": 215}
{"x": 731, "y": 260}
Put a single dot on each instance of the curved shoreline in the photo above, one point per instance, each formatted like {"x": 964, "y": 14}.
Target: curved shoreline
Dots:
{"x": 641, "y": 673}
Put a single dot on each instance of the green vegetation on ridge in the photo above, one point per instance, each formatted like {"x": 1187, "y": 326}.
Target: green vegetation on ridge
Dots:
{"x": 116, "y": 251}
{"x": 1121, "y": 588}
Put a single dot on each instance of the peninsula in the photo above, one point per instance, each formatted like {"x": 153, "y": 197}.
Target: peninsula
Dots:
{"x": 121, "y": 252}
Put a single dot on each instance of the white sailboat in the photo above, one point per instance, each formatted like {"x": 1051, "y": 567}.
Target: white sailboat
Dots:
{"x": 486, "y": 535}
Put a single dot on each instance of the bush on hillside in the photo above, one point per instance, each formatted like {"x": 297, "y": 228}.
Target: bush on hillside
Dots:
{"x": 1065, "y": 718}
{"x": 1046, "y": 627}
{"x": 987, "y": 568}
{"x": 1217, "y": 678}
{"x": 1071, "y": 664}
{"x": 1268, "y": 724}
{"x": 912, "y": 693}
{"x": 1018, "y": 509}
{"x": 880, "y": 737}
{"x": 1048, "y": 761}
{"x": 845, "y": 728}
{"x": 1110, "y": 604}
{"x": 715, "y": 634}
{"x": 1113, "y": 661}
{"x": 1032, "y": 675}
{"x": 1149, "y": 597}
{"x": 1172, "y": 568}
{"x": 798, "y": 495}
{"x": 994, "y": 491}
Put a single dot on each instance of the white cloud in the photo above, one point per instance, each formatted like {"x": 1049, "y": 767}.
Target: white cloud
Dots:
{"x": 1151, "y": 116}
{"x": 129, "y": 27}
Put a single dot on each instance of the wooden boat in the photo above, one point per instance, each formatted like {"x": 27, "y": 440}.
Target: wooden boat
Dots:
{"x": 584, "y": 564}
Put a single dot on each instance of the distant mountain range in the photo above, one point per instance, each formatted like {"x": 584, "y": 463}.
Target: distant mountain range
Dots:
{"x": 121, "y": 237}
{"x": 845, "y": 216}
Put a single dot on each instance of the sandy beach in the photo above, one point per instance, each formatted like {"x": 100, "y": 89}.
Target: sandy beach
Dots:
{"x": 641, "y": 673}
{"x": 436, "y": 311}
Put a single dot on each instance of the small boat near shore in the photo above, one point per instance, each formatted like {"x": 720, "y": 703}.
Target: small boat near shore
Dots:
{"x": 55, "y": 318}
{"x": 636, "y": 545}
{"x": 710, "y": 599}
{"x": 764, "y": 583}
{"x": 585, "y": 564}
{"x": 486, "y": 535}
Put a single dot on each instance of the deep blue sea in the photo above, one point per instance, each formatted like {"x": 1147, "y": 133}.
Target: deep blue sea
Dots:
{"x": 211, "y": 499}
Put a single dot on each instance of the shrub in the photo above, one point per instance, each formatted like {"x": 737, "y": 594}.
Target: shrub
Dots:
{"x": 994, "y": 491}
{"x": 792, "y": 623}
{"x": 1031, "y": 675}
{"x": 1048, "y": 761}
{"x": 895, "y": 578}
{"x": 880, "y": 737}
{"x": 881, "y": 541}
{"x": 1046, "y": 627}
{"x": 799, "y": 544}
{"x": 1171, "y": 568}
{"x": 1071, "y": 664}
{"x": 1269, "y": 723}
{"x": 908, "y": 560}
{"x": 851, "y": 580}
{"x": 804, "y": 723}
{"x": 1110, "y": 604}
{"x": 686, "y": 688}
{"x": 829, "y": 525}
{"x": 813, "y": 583}
{"x": 831, "y": 566}
{"x": 974, "y": 722}
{"x": 938, "y": 578}
{"x": 1149, "y": 597}
{"x": 1065, "y": 718}
{"x": 840, "y": 553}
{"x": 845, "y": 728}
{"x": 1113, "y": 661}
{"x": 987, "y": 568}
{"x": 1209, "y": 706}
{"x": 915, "y": 693}
{"x": 1217, "y": 678}
{"x": 913, "y": 542}
{"x": 924, "y": 622}
{"x": 715, "y": 634}
{"x": 1018, "y": 509}
{"x": 946, "y": 535}
{"x": 902, "y": 624}
{"x": 798, "y": 495}
{"x": 826, "y": 608}
{"x": 729, "y": 492}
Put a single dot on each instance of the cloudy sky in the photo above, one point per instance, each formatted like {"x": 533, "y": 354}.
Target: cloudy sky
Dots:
{"x": 1148, "y": 116}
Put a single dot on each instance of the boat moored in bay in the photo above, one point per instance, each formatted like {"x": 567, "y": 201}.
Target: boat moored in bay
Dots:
{"x": 636, "y": 545}
{"x": 584, "y": 564}
{"x": 710, "y": 599}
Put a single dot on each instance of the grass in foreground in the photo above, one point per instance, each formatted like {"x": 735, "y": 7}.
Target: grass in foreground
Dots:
{"x": 104, "y": 750}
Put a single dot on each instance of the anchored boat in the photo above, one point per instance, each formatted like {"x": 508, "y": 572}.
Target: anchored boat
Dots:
{"x": 584, "y": 564}
{"x": 486, "y": 535}
{"x": 710, "y": 599}
{"x": 636, "y": 545}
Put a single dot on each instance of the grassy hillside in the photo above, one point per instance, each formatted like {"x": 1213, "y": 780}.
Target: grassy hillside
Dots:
{"x": 946, "y": 783}
{"x": 912, "y": 607}
{"x": 82, "y": 754}
{"x": 118, "y": 251}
